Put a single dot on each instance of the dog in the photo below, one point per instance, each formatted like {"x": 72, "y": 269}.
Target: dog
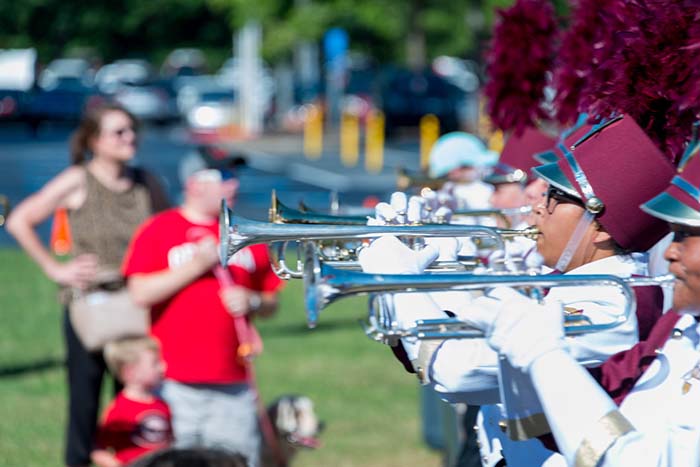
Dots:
{"x": 295, "y": 425}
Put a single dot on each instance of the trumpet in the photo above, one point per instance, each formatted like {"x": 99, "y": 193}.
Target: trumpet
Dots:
{"x": 282, "y": 214}
{"x": 343, "y": 256}
{"x": 236, "y": 232}
{"x": 381, "y": 327}
{"x": 405, "y": 181}
{"x": 325, "y": 284}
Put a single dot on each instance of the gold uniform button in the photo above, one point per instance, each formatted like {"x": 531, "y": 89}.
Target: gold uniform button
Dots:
{"x": 503, "y": 425}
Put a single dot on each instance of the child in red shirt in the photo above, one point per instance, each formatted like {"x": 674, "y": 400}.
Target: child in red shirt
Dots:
{"x": 136, "y": 422}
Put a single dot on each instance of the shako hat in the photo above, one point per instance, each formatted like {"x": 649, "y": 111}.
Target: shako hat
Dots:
{"x": 612, "y": 169}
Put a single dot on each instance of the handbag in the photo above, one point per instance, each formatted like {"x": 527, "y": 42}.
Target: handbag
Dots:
{"x": 105, "y": 312}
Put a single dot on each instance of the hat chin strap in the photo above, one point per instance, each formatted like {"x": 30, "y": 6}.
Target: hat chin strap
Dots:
{"x": 574, "y": 241}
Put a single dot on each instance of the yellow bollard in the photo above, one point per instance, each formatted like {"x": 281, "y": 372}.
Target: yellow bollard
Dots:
{"x": 313, "y": 132}
{"x": 349, "y": 140}
{"x": 429, "y": 133}
{"x": 495, "y": 141}
{"x": 374, "y": 142}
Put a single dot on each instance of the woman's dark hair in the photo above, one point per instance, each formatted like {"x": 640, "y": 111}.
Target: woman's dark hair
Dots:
{"x": 89, "y": 127}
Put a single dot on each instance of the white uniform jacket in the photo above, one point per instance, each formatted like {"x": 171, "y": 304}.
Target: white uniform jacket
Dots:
{"x": 664, "y": 407}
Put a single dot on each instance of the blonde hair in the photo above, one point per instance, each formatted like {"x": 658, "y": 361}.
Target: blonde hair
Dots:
{"x": 126, "y": 350}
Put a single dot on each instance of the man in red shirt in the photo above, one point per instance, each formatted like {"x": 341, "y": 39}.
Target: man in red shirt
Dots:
{"x": 171, "y": 266}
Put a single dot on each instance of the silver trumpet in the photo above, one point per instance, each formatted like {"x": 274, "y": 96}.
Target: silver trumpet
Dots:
{"x": 325, "y": 284}
{"x": 282, "y": 214}
{"x": 236, "y": 232}
{"x": 344, "y": 256}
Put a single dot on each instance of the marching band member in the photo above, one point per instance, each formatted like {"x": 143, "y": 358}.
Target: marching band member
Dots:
{"x": 593, "y": 430}
{"x": 463, "y": 158}
{"x": 585, "y": 229}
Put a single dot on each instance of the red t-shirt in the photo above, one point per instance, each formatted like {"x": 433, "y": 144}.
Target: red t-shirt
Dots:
{"x": 131, "y": 428}
{"x": 196, "y": 332}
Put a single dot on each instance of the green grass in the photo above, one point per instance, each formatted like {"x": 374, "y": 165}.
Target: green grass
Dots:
{"x": 369, "y": 404}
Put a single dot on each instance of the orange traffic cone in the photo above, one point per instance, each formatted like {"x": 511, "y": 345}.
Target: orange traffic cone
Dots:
{"x": 60, "y": 233}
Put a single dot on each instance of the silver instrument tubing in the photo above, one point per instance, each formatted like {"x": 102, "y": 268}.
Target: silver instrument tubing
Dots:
{"x": 236, "y": 232}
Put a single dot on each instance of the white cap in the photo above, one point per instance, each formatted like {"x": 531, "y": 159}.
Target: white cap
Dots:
{"x": 459, "y": 149}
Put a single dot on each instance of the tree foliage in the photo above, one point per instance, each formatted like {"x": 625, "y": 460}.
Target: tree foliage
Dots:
{"x": 127, "y": 28}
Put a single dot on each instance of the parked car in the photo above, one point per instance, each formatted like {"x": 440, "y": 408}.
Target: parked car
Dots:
{"x": 134, "y": 84}
{"x": 70, "y": 69}
{"x": 13, "y": 105}
{"x": 184, "y": 62}
{"x": 230, "y": 75}
{"x": 17, "y": 77}
{"x": 406, "y": 96}
{"x": 132, "y": 71}
{"x": 215, "y": 108}
{"x": 359, "y": 98}
{"x": 149, "y": 101}
{"x": 64, "y": 100}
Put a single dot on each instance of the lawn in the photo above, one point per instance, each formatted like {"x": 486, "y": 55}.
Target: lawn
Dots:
{"x": 369, "y": 404}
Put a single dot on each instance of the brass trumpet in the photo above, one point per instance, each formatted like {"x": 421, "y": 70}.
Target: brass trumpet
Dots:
{"x": 282, "y": 214}
{"x": 406, "y": 181}
{"x": 236, "y": 232}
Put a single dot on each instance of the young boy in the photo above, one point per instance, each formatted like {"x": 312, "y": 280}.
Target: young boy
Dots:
{"x": 136, "y": 422}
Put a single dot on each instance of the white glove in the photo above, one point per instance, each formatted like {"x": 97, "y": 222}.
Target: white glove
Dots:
{"x": 431, "y": 199}
{"x": 524, "y": 331}
{"x": 467, "y": 248}
{"x": 387, "y": 255}
{"x": 479, "y": 313}
{"x": 399, "y": 202}
{"x": 447, "y": 199}
{"x": 442, "y": 215}
{"x": 383, "y": 214}
{"x": 533, "y": 262}
{"x": 448, "y": 247}
{"x": 416, "y": 214}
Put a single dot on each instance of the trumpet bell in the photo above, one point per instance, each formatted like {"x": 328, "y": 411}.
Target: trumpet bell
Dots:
{"x": 281, "y": 214}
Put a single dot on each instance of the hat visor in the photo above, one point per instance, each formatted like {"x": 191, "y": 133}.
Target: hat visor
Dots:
{"x": 546, "y": 157}
{"x": 552, "y": 174}
{"x": 515, "y": 176}
{"x": 666, "y": 207}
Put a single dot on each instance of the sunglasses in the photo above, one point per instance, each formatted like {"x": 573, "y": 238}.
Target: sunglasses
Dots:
{"x": 554, "y": 196}
{"x": 121, "y": 132}
{"x": 680, "y": 235}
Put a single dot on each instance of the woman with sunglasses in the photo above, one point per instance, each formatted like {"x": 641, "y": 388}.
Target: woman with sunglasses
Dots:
{"x": 580, "y": 234}
{"x": 106, "y": 200}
